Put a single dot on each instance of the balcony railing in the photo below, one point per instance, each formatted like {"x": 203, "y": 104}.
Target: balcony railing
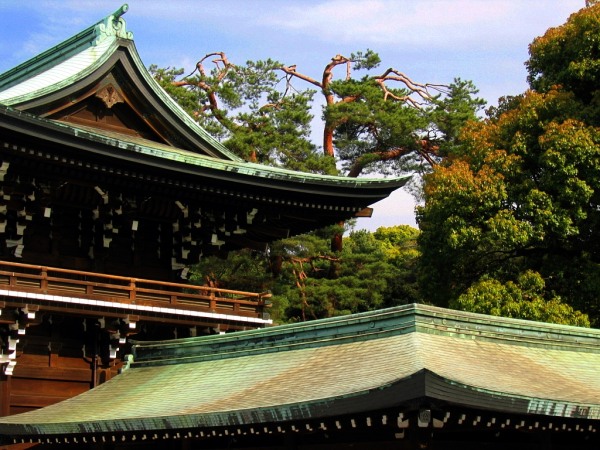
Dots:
{"x": 130, "y": 291}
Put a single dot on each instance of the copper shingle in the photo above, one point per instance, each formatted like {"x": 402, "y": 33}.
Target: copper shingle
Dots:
{"x": 303, "y": 370}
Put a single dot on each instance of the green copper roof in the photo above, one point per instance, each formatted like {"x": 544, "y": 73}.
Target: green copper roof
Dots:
{"x": 129, "y": 147}
{"x": 312, "y": 370}
{"x": 59, "y": 66}
{"x": 80, "y": 56}
{"x": 154, "y": 149}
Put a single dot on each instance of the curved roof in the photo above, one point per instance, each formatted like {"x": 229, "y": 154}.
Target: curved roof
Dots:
{"x": 83, "y": 59}
{"x": 117, "y": 146}
{"x": 88, "y": 107}
{"x": 406, "y": 354}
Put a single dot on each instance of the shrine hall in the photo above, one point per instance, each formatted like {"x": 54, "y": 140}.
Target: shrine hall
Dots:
{"x": 110, "y": 193}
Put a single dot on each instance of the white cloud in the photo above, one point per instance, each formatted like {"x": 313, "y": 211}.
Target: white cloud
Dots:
{"x": 440, "y": 23}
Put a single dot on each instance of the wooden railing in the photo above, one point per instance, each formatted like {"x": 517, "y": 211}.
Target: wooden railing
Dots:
{"x": 113, "y": 288}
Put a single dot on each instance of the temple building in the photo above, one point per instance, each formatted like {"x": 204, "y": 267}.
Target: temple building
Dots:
{"x": 109, "y": 192}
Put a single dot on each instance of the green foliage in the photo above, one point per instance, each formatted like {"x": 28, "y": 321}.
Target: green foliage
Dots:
{"x": 367, "y": 60}
{"x": 521, "y": 300}
{"x": 376, "y": 270}
{"x": 399, "y": 246}
{"x": 532, "y": 205}
{"x": 519, "y": 200}
{"x": 376, "y": 133}
{"x": 568, "y": 56}
{"x": 511, "y": 220}
{"x": 279, "y": 135}
{"x": 399, "y": 241}
{"x": 247, "y": 109}
{"x": 370, "y": 124}
{"x": 452, "y": 112}
{"x": 505, "y": 104}
{"x": 244, "y": 270}
{"x": 186, "y": 98}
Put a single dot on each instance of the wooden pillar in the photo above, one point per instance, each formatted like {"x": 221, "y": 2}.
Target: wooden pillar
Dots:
{"x": 4, "y": 395}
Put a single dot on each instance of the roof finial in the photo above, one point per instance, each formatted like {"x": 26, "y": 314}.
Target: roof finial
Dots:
{"x": 119, "y": 12}
{"x": 114, "y": 25}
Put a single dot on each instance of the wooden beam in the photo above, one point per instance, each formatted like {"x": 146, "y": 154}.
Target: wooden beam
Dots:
{"x": 365, "y": 212}
{"x": 52, "y": 373}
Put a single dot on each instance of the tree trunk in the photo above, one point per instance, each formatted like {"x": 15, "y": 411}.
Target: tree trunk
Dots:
{"x": 336, "y": 247}
{"x": 328, "y": 140}
{"x": 276, "y": 265}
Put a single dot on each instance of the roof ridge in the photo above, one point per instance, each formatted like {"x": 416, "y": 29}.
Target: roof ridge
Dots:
{"x": 366, "y": 326}
{"x": 111, "y": 26}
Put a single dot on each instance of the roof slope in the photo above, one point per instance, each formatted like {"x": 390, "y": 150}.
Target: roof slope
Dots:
{"x": 84, "y": 61}
{"x": 310, "y": 371}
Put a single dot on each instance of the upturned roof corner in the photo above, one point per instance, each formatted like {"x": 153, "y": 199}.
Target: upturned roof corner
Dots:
{"x": 101, "y": 34}
{"x": 113, "y": 25}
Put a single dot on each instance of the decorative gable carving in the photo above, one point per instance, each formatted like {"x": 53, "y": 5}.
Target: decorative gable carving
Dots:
{"x": 113, "y": 25}
{"x": 110, "y": 96}
{"x": 107, "y": 106}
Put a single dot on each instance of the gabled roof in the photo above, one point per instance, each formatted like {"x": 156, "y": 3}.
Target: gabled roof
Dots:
{"x": 82, "y": 66}
{"x": 377, "y": 363}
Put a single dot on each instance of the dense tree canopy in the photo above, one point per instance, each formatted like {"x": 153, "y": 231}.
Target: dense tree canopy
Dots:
{"x": 376, "y": 270}
{"x": 518, "y": 203}
{"x": 524, "y": 299}
{"x": 569, "y": 56}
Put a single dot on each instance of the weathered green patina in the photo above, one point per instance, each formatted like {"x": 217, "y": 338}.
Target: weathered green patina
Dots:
{"x": 386, "y": 360}
{"x": 128, "y": 147}
{"x": 66, "y": 62}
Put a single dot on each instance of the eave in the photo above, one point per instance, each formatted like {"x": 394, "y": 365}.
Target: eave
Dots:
{"x": 72, "y": 141}
{"x": 226, "y": 195}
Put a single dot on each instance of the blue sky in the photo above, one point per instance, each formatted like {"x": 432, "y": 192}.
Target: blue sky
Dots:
{"x": 485, "y": 41}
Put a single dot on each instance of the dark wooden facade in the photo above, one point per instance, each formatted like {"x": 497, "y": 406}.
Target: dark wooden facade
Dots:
{"x": 65, "y": 331}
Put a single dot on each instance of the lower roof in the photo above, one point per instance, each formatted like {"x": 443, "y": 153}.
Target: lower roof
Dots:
{"x": 353, "y": 364}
